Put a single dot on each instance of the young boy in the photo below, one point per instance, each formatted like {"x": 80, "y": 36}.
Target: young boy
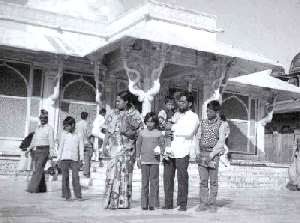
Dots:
{"x": 70, "y": 155}
{"x": 149, "y": 145}
{"x": 212, "y": 134}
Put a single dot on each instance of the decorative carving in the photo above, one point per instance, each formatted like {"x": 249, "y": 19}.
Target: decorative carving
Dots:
{"x": 218, "y": 77}
{"x": 143, "y": 62}
{"x": 268, "y": 109}
{"x": 57, "y": 79}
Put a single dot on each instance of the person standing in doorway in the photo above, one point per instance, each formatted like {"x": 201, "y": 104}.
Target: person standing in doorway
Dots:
{"x": 42, "y": 147}
{"x": 212, "y": 134}
{"x": 82, "y": 131}
{"x": 99, "y": 134}
{"x": 182, "y": 132}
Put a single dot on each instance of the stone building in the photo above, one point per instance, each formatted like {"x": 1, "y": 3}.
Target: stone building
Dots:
{"x": 67, "y": 63}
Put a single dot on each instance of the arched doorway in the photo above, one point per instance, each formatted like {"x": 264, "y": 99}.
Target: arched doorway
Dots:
{"x": 78, "y": 95}
{"x": 238, "y": 111}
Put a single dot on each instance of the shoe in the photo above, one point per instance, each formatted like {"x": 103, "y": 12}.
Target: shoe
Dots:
{"x": 202, "y": 207}
{"x": 151, "y": 208}
{"x": 166, "y": 207}
{"x": 145, "y": 209}
{"x": 101, "y": 164}
{"x": 79, "y": 199}
{"x": 68, "y": 198}
{"x": 181, "y": 208}
{"x": 213, "y": 208}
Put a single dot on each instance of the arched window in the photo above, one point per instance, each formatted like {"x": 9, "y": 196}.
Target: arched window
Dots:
{"x": 13, "y": 103}
{"x": 234, "y": 108}
{"x": 78, "y": 96}
{"x": 80, "y": 90}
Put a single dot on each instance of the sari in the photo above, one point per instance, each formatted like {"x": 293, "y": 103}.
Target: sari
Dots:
{"x": 122, "y": 131}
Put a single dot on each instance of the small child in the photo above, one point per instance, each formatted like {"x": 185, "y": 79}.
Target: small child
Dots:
{"x": 88, "y": 153}
{"x": 70, "y": 155}
{"x": 149, "y": 146}
{"x": 165, "y": 118}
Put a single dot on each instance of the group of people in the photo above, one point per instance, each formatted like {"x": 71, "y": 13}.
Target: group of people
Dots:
{"x": 168, "y": 137}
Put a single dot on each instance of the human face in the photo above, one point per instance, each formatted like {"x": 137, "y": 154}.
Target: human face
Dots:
{"x": 44, "y": 120}
{"x": 211, "y": 114}
{"x": 150, "y": 124}
{"x": 170, "y": 105}
{"x": 120, "y": 103}
{"x": 183, "y": 104}
{"x": 69, "y": 128}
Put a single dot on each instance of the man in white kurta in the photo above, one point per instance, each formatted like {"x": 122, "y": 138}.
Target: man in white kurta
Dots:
{"x": 183, "y": 131}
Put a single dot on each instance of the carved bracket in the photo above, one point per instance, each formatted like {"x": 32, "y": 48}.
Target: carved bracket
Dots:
{"x": 143, "y": 62}
{"x": 268, "y": 109}
{"x": 218, "y": 77}
{"x": 56, "y": 80}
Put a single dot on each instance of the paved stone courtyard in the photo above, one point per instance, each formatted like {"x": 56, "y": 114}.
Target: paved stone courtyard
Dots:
{"x": 235, "y": 205}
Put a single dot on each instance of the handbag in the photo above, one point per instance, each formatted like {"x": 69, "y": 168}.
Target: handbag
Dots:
{"x": 26, "y": 142}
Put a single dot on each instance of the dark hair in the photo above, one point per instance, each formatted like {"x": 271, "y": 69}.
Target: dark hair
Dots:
{"x": 102, "y": 111}
{"x": 153, "y": 116}
{"x": 188, "y": 95}
{"x": 91, "y": 136}
{"x": 169, "y": 99}
{"x": 69, "y": 120}
{"x": 214, "y": 105}
{"x": 131, "y": 99}
{"x": 84, "y": 115}
{"x": 223, "y": 117}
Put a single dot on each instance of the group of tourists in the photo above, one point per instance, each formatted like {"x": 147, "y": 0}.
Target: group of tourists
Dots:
{"x": 168, "y": 137}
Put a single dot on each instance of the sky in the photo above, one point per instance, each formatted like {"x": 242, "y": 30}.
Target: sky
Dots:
{"x": 267, "y": 27}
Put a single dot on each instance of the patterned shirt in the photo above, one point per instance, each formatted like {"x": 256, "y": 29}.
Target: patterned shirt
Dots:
{"x": 122, "y": 129}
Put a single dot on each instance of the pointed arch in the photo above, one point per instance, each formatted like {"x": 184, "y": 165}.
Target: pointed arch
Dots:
{"x": 236, "y": 110}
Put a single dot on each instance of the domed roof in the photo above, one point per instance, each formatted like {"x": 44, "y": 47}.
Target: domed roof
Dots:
{"x": 295, "y": 65}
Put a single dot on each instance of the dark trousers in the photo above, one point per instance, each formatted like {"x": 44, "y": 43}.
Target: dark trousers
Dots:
{"x": 208, "y": 195}
{"x": 87, "y": 162}
{"x": 37, "y": 182}
{"x": 66, "y": 165}
{"x": 170, "y": 166}
{"x": 150, "y": 175}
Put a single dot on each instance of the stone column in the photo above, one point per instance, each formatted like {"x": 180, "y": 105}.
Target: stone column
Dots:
{"x": 52, "y": 93}
{"x": 266, "y": 109}
{"x": 143, "y": 62}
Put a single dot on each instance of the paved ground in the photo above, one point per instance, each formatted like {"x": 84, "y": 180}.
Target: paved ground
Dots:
{"x": 234, "y": 206}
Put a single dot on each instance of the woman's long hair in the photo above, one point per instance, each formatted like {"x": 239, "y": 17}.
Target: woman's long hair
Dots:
{"x": 131, "y": 99}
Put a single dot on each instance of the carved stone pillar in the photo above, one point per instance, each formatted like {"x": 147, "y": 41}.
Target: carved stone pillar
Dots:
{"x": 266, "y": 109}
{"x": 143, "y": 62}
{"x": 52, "y": 93}
{"x": 214, "y": 86}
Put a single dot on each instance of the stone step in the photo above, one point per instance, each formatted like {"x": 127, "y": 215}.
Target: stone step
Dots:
{"x": 229, "y": 177}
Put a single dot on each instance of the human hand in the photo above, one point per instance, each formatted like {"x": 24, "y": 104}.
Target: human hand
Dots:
{"x": 211, "y": 156}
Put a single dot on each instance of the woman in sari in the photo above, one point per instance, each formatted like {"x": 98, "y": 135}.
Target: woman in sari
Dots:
{"x": 122, "y": 126}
